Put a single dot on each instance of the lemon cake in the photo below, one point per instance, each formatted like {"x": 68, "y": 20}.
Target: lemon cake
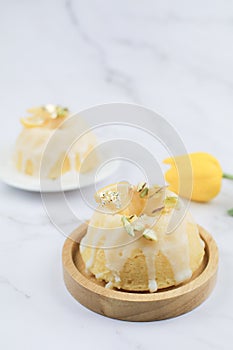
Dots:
{"x": 45, "y": 137}
{"x": 137, "y": 239}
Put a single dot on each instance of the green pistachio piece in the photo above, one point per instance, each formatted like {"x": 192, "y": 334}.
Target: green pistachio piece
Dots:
{"x": 144, "y": 192}
{"x": 141, "y": 186}
{"x": 138, "y": 225}
{"x": 150, "y": 235}
{"x": 171, "y": 202}
{"x": 128, "y": 227}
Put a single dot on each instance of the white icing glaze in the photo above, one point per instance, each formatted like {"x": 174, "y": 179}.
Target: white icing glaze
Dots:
{"x": 109, "y": 285}
{"x": 106, "y": 231}
{"x": 152, "y": 286}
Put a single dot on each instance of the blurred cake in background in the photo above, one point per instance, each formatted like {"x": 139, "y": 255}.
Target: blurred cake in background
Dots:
{"x": 50, "y": 137}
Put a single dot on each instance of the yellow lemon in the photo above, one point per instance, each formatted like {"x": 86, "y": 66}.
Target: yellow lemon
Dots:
{"x": 32, "y": 122}
{"x": 49, "y": 116}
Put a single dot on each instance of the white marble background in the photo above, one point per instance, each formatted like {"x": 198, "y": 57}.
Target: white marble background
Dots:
{"x": 173, "y": 56}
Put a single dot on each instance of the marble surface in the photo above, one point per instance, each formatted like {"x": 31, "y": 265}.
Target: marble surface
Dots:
{"x": 173, "y": 56}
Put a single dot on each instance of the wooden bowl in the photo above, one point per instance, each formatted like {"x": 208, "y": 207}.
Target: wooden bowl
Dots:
{"x": 135, "y": 306}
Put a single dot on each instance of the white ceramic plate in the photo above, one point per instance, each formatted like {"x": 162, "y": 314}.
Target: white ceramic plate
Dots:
{"x": 67, "y": 182}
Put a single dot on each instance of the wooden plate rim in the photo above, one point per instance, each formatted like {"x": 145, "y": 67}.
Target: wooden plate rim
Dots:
{"x": 208, "y": 272}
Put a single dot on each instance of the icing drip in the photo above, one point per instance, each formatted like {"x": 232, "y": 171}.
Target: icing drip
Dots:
{"x": 106, "y": 232}
{"x": 152, "y": 286}
{"x": 175, "y": 247}
{"x": 109, "y": 285}
{"x": 150, "y": 254}
{"x": 90, "y": 262}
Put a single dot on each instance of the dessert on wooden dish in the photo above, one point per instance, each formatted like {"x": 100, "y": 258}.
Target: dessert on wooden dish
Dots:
{"x": 46, "y": 137}
{"x": 140, "y": 239}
